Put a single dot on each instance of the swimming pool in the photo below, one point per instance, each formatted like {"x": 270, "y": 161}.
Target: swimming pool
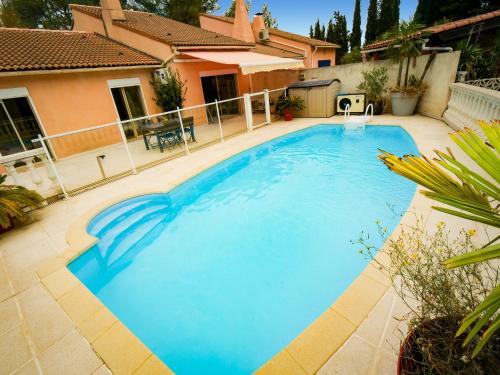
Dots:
{"x": 221, "y": 273}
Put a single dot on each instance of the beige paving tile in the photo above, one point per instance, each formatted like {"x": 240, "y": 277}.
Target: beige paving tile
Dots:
{"x": 385, "y": 364}
{"x": 98, "y": 323}
{"x": 103, "y": 370}
{"x": 79, "y": 303}
{"x": 9, "y": 315}
{"x": 71, "y": 355}
{"x": 359, "y": 298}
{"x": 5, "y": 288}
{"x": 23, "y": 263}
{"x": 14, "y": 350}
{"x": 51, "y": 265}
{"x": 29, "y": 368}
{"x": 153, "y": 366}
{"x": 355, "y": 357}
{"x": 60, "y": 282}
{"x": 122, "y": 352}
{"x": 282, "y": 363}
{"x": 320, "y": 340}
{"x": 46, "y": 320}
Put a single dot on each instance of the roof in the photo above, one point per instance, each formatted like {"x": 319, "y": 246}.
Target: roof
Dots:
{"x": 312, "y": 83}
{"x": 39, "y": 49}
{"x": 276, "y": 51}
{"x": 166, "y": 30}
{"x": 441, "y": 28}
{"x": 284, "y": 34}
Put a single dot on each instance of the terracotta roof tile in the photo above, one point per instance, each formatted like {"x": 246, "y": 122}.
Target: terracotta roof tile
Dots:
{"x": 284, "y": 34}
{"x": 441, "y": 28}
{"x": 38, "y": 49}
{"x": 166, "y": 30}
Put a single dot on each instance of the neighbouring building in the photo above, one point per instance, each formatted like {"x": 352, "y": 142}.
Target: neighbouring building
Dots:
{"x": 58, "y": 81}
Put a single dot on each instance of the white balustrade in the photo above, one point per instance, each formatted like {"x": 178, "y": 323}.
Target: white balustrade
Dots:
{"x": 31, "y": 170}
{"x": 468, "y": 104}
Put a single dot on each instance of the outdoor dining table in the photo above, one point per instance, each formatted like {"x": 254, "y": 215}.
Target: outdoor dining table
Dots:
{"x": 167, "y": 134}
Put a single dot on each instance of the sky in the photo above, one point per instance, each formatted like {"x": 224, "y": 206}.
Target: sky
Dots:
{"x": 297, "y": 15}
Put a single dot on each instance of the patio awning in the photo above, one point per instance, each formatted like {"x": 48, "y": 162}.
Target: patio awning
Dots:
{"x": 249, "y": 62}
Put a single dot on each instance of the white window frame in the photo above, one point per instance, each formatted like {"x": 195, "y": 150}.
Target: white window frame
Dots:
{"x": 126, "y": 82}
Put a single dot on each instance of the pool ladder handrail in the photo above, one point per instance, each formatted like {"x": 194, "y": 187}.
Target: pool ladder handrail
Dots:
{"x": 362, "y": 120}
{"x": 347, "y": 112}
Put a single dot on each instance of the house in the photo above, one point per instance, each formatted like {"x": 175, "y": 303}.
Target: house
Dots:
{"x": 482, "y": 27}
{"x": 58, "y": 81}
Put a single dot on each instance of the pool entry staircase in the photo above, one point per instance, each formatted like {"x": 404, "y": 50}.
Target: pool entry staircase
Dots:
{"x": 353, "y": 122}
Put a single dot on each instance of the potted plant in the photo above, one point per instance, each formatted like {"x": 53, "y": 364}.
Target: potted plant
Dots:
{"x": 406, "y": 40}
{"x": 286, "y": 106}
{"x": 436, "y": 299}
{"x": 374, "y": 84}
{"x": 470, "y": 56}
{"x": 472, "y": 194}
{"x": 13, "y": 201}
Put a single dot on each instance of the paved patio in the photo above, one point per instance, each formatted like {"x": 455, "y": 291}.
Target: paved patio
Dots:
{"x": 38, "y": 337}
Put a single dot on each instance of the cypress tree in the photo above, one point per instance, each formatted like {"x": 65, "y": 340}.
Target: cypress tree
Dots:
{"x": 317, "y": 30}
{"x": 322, "y": 36}
{"x": 371, "y": 22}
{"x": 385, "y": 19}
{"x": 311, "y": 32}
{"x": 355, "y": 37}
{"x": 329, "y": 32}
{"x": 340, "y": 36}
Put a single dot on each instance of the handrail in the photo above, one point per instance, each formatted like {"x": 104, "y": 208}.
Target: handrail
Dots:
{"x": 347, "y": 112}
{"x": 366, "y": 110}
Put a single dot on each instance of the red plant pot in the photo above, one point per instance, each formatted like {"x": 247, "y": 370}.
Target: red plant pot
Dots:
{"x": 288, "y": 115}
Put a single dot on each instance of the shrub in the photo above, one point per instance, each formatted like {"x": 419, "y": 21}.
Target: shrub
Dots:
{"x": 354, "y": 56}
{"x": 291, "y": 103}
{"x": 375, "y": 85}
{"x": 170, "y": 92}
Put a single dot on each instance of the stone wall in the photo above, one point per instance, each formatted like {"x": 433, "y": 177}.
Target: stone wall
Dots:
{"x": 441, "y": 73}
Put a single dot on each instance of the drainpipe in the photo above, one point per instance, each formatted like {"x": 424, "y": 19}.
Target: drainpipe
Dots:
{"x": 312, "y": 55}
{"x": 444, "y": 49}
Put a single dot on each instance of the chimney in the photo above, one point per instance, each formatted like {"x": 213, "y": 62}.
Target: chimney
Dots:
{"x": 242, "y": 29}
{"x": 258, "y": 24}
{"x": 112, "y": 10}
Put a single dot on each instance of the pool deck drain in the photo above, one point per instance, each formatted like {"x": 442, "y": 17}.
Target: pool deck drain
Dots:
{"x": 42, "y": 339}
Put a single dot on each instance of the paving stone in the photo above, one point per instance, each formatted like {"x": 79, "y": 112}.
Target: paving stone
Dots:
{"x": 14, "y": 350}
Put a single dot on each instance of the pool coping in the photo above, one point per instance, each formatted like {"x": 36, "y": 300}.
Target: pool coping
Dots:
{"x": 124, "y": 353}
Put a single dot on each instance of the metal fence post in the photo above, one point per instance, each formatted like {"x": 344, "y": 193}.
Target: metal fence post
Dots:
{"x": 51, "y": 162}
{"x": 220, "y": 123}
{"x": 182, "y": 130}
{"x": 248, "y": 111}
{"x": 267, "y": 106}
{"x": 124, "y": 139}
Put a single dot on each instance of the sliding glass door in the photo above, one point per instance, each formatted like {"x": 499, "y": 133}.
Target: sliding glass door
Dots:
{"x": 220, "y": 88}
{"x": 128, "y": 102}
{"x": 18, "y": 126}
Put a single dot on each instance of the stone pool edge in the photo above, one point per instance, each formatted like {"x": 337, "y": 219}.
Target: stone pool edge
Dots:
{"x": 124, "y": 353}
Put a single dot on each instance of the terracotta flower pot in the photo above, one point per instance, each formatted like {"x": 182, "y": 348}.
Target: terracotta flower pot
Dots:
{"x": 288, "y": 114}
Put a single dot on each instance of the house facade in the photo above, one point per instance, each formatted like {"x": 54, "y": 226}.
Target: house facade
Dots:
{"x": 53, "y": 82}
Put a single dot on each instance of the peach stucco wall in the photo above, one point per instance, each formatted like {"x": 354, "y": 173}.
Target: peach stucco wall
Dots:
{"x": 70, "y": 101}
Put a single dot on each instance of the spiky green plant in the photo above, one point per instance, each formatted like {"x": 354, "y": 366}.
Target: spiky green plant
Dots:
{"x": 13, "y": 200}
{"x": 471, "y": 195}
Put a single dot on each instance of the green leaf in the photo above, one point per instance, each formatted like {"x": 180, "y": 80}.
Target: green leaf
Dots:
{"x": 476, "y": 256}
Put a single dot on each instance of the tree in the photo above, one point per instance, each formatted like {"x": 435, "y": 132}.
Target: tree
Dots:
{"x": 430, "y": 12}
{"x": 311, "y": 32}
{"x": 188, "y": 11}
{"x": 268, "y": 18}
{"x": 230, "y": 11}
{"x": 330, "y": 37}
{"x": 340, "y": 36}
{"x": 355, "y": 39}
{"x": 371, "y": 22}
{"x": 317, "y": 30}
{"x": 323, "y": 33}
{"x": 389, "y": 16}
{"x": 170, "y": 92}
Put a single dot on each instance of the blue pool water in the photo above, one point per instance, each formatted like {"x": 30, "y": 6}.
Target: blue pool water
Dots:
{"x": 220, "y": 274}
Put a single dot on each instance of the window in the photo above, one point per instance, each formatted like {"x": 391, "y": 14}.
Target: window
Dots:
{"x": 323, "y": 63}
{"x": 18, "y": 123}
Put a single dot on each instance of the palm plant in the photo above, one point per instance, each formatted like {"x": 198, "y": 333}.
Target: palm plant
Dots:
{"x": 13, "y": 200}
{"x": 470, "y": 56}
{"x": 406, "y": 40}
{"x": 471, "y": 195}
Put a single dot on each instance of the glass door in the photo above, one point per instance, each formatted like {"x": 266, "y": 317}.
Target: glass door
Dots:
{"x": 221, "y": 87}
{"x": 18, "y": 126}
{"x": 128, "y": 102}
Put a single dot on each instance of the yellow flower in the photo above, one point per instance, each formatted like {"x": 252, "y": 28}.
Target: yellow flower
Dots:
{"x": 440, "y": 224}
{"x": 471, "y": 232}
